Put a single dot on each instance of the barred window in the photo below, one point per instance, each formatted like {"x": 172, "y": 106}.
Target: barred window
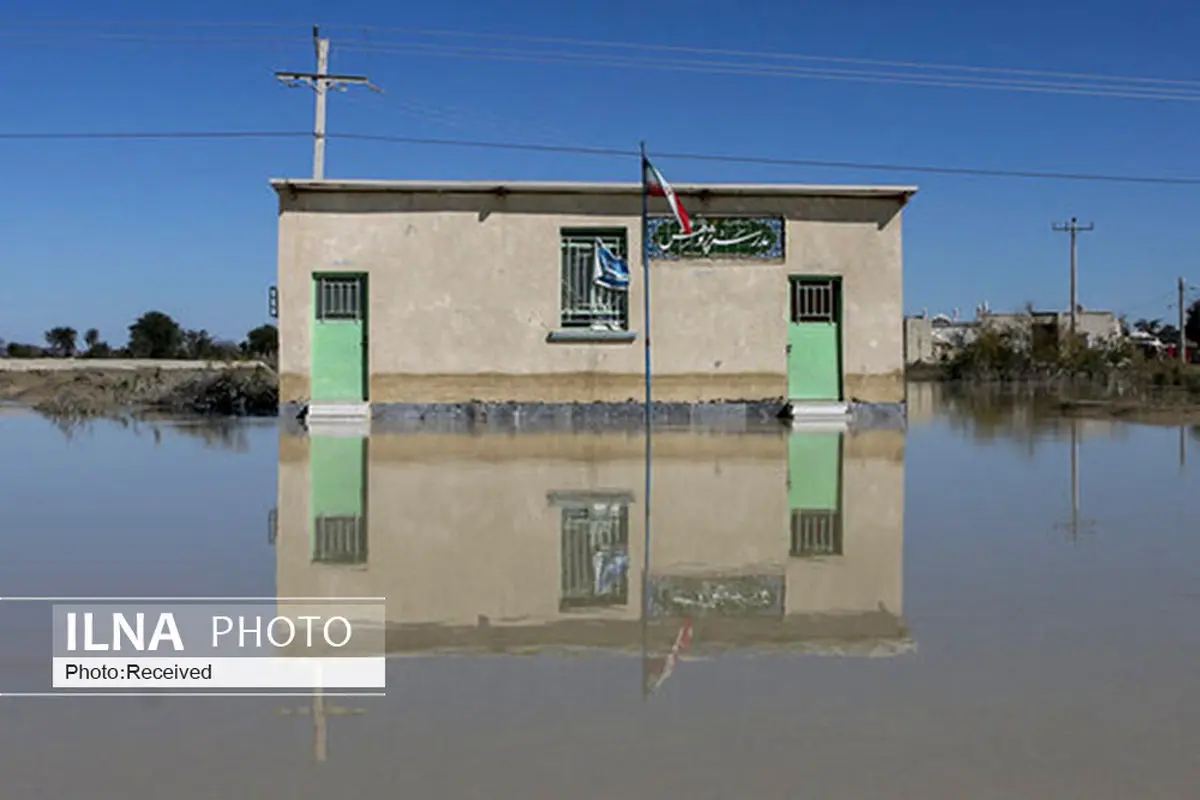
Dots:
{"x": 815, "y": 300}
{"x": 340, "y": 540}
{"x": 816, "y": 532}
{"x": 585, "y": 304}
{"x": 595, "y": 555}
{"x": 339, "y": 297}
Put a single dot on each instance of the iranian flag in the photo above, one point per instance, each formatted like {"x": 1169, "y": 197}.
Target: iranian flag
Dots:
{"x": 657, "y": 186}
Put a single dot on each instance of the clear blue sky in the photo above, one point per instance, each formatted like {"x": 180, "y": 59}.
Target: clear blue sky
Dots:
{"x": 96, "y": 232}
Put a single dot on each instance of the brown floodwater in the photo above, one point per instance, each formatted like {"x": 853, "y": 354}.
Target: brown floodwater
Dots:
{"x": 997, "y": 603}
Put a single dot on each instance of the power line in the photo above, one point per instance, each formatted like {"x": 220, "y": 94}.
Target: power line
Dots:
{"x": 168, "y": 24}
{"x": 136, "y": 135}
{"x": 622, "y": 45}
{"x": 778, "y": 162}
{"x": 613, "y": 152}
{"x": 778, "y": 71}
{"x": 172, "y": 41}
{"x": 1023, "y": 80}
{"x": 775, "y": 55}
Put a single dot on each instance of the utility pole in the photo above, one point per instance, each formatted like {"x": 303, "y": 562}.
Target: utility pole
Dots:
{"x": 1182, "y": 322}
{"x": 320, "y": 713}
{"x": 1074, "y": 228}
{"x": 321, "y": 82}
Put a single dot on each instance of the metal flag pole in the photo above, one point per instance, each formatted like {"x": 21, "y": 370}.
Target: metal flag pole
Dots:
{"x": 646, "y": 286}
{"x": 647, "y": 466}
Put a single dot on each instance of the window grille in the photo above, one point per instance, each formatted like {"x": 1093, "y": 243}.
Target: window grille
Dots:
{"x": 584, "y": 303}
{"x": 815, "y": 300}
{"x": 595, "y": 555}
{"x": 340, "y": 540}
{"x": 339, "y": 298}
{"x": 816, "y": 532}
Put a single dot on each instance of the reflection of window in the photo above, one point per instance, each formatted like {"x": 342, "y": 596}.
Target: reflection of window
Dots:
{"x": 340, "y": 540}
{"x": 816, "y": 532}
{"x": 594, "y": 550}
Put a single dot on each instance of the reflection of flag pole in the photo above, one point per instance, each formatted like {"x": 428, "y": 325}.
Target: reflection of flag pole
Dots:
{"x": 320, "y": 738}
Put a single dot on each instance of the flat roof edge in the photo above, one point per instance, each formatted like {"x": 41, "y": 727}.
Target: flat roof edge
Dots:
{"x": 281, "y": 185}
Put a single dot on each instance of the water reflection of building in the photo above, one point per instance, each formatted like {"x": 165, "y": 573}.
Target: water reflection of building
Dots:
{"x": 518, "y": 543}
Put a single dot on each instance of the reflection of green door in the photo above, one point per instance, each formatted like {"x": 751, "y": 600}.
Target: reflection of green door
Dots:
{"x": 815, "y": 493}
{"x": 814, "y": 339}
{"x": 338, "y": 487}
{"x": 339, "y": 338}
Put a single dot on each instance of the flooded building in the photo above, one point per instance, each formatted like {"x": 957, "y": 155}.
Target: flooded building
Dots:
{"x": 785, "y": 541}
{"x": 428, "y": 293}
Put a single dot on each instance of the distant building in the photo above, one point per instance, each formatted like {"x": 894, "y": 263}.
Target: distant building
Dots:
{"x": 931, "y": 339}
{"x": 413, "y": 293}
{"x": 1095, "y": 327}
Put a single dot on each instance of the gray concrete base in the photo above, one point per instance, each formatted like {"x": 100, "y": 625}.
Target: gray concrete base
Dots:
{"x": 729, "y": 417}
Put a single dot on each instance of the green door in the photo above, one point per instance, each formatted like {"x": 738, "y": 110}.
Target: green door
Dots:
{"x": 338, "y": 492}
{"x": 339, "y": 338}
{"x": 814, "y": 339}
{"x": 815, "y": 493}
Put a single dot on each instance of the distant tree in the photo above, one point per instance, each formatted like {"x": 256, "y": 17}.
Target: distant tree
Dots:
{"x": 95, "y": 347}
{"x": 1168, "y": 334}
{"x": 197, "y": 344}
{"x": 262, "y": 342}
{"x": 1192, "y": 323}
{"x": 1150, "y": 326}
{"x": 155, "y": 335}
{"x": 22, "y": 350}
{"x": 62, "y": 341}
{"x": 225, "y": 350}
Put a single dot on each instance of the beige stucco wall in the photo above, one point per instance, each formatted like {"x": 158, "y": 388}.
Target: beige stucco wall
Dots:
{"x": 461, "y": 529}
{"x": 465, "y": 288}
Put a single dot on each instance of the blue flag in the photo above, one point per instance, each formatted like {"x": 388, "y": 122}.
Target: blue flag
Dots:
{"x": 610, "y": 271}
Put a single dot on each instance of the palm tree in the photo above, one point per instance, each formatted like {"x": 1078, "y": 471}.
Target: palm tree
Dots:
{"x": 62, "y": 340}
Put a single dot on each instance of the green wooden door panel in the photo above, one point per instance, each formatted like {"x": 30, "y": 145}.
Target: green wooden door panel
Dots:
{"x": 814, "y": 471}
{"x": 337, "y": 471}
{"x": 813, "y": 364}
{"x": 339, "y": 357}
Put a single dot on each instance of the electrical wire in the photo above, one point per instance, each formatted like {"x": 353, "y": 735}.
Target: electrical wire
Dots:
{"x": 612, "y": 152}
{"x": 623, "y": 45}
{"x": 777, "y": 71}
{"x": 780, "y": 65}
{"x": 134, "y": 135}
{"x": 777, "y": 162}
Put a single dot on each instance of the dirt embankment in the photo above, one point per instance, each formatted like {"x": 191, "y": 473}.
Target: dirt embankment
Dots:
{"x": 1145, "y": 413}
{"x": 87, "y": 391}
